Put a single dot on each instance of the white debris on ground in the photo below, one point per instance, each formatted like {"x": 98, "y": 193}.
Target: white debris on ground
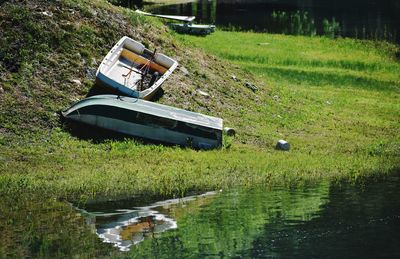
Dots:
{"x": 282, "y": 145}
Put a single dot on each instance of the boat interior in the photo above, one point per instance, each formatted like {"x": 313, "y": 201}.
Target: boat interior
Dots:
{"x": 131, "y": 69}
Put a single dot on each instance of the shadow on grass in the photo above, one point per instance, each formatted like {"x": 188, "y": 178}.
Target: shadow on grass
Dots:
{"x": 325, "y": 78}
{"x": 91, "y": 133}
{"x": 99, "y": 135}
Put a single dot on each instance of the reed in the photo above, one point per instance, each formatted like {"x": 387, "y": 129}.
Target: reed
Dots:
{"x": 331, "y": 28}
{"x": 296, "y": 23}
{"x": 302, "y": 23}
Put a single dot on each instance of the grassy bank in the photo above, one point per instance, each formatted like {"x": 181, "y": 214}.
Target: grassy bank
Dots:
{"x": 331, "y": 96}
{"x": 335, "y": 101}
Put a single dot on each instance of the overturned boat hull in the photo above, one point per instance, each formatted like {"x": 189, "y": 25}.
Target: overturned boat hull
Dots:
{"x": 140, "y": 118}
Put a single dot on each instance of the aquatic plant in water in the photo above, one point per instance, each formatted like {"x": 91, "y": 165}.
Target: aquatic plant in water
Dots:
{"x": 301, "y": 23}
{"x": 297, "y": 23}
{"x": 331, "y": 28}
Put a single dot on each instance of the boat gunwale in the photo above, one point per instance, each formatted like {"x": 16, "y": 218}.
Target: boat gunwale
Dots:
{"x": 144, "y": 94}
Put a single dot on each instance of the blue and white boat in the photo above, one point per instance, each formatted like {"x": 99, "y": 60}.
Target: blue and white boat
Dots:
{"x": 134, "y": 70}
{"x": 149, "y": 120}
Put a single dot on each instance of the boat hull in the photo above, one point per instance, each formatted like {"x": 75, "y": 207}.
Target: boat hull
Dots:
{"x": 194, "y": 29}
{"x": 131, "y": 119}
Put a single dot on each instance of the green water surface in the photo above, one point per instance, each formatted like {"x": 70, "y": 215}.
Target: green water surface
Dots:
{"x": 316, "y": 220}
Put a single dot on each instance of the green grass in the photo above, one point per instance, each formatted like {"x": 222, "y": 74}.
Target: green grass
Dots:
{"x": 335, "y": 101}
{"x": 330, "y": 96}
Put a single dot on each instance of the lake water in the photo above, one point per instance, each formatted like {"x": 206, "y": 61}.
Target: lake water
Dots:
{"x": 364, "y": 19}
{"x": 316, "y": 220}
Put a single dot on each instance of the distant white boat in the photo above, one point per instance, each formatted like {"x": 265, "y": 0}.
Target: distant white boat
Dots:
{"x": 132, "y": 69}
{"x": 187, "y": 27}
{"x": 171, "y": 17}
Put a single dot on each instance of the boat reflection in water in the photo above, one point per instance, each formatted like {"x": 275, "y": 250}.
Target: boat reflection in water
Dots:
{"x": 127, "y": 227}
{"x": 131, "y": 228}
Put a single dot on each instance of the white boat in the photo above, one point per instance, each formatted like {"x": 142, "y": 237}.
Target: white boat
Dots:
{"x": 148, "y": 120}
{"x": 187, "y": 27}
{"x": 170, "y": 17}
{"x": 134, "y": 70}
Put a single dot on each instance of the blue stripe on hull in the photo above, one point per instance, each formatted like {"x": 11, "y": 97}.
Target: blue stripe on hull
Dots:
{"x": 117, "y": 86}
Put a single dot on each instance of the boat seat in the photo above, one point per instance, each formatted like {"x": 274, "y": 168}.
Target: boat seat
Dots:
{"x": 133, "y": 57}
